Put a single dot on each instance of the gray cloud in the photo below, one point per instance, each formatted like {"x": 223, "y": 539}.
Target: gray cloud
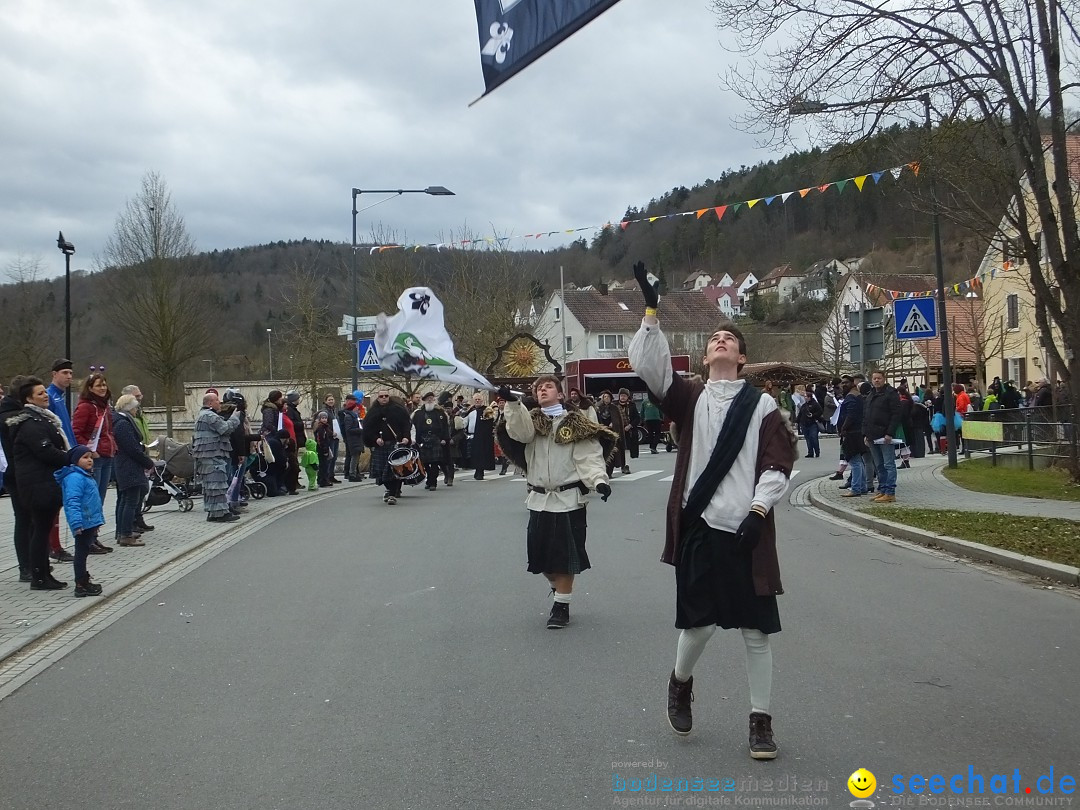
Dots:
{"x": 262, "y": 117}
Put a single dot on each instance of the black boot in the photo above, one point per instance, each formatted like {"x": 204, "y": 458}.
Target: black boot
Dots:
{"x": 762, "y": 744}
{"x": 43, "y": 580}
{"x": 84, "y": 587}
{"x": 680, "y": 695}
{"x": 560, "y": 616}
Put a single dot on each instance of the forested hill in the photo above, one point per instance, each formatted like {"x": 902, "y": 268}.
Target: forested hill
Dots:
{"x": 246, "y": 290}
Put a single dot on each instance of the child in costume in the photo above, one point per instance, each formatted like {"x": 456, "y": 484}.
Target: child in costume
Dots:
{"x": 310, "y": 462}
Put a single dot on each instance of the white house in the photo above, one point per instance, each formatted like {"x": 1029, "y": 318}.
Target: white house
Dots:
{"x": 601, "y": 325}
{"x": 726, "y": 299}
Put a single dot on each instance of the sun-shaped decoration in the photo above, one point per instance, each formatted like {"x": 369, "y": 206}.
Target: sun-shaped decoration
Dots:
{"x": 521, "y": 358}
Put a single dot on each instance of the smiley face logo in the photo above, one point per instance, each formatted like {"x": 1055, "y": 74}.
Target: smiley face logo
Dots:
{"x": 861, "y": 784}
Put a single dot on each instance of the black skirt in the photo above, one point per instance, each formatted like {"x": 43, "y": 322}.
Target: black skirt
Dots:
{"x": 556, "y": 542}
{"x": 715, "y": 584}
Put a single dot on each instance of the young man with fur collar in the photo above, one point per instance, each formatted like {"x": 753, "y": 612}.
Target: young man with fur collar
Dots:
{"x": 563, "y": 454}
{"x": 735, "y": 458}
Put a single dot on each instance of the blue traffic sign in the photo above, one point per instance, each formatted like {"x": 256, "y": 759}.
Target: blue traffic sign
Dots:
{"x": 367, "y": 359}
{"x": 915, "y": 318}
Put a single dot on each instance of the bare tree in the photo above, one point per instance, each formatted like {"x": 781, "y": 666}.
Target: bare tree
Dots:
{"x": 317, "y": 352}
{"x": 24, "y": 309}
{"x": 1007, "y": 66}
{"x": 832, "y": 352}
{"x": 153, "y": 297}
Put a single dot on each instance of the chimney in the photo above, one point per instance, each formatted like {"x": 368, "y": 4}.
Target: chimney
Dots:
{"x": 602, "y": 286}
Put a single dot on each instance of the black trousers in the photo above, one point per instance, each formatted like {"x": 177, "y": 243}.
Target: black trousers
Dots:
{"x": 23, "y": 521}
{"x": 433, "y": 469}
{"x": 41, "y": 523}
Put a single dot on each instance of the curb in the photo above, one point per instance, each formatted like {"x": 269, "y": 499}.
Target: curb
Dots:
{"x": 1066, "y": 574}
{"x": 77, "y": 607}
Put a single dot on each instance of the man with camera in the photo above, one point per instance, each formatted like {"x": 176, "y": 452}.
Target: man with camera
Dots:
{"x": 211, "y": 445}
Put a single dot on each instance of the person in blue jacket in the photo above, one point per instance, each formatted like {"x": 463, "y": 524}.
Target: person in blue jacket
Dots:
{"x": 82, "y": 507}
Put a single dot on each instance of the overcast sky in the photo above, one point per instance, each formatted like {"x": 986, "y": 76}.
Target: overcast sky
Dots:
{"x": 262, "y": 116}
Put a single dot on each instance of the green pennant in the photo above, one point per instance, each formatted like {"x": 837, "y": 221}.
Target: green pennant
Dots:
{"x": 840, "y": 185}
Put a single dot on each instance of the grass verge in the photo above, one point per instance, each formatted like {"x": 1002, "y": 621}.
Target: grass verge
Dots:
{"x": 1052, "y": 539}
{"x": 980, "y": 476}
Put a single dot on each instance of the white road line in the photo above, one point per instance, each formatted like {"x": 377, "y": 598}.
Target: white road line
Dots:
{"x": 668, "y": 479}
{"x": 638, "y": 475}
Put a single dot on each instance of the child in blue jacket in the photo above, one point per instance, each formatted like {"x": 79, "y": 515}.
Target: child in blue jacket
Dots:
{"x": 82, "y": 506}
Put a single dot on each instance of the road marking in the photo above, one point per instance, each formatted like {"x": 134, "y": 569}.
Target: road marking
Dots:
{"x": 638, "y": 475}
{"x": 669, "y": 479}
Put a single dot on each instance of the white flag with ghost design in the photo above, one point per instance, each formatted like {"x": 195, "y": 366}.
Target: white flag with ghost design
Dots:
{"x": 415, "y": 341}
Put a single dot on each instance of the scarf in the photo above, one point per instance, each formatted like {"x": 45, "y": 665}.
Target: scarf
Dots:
{"x": 554, "y": 410}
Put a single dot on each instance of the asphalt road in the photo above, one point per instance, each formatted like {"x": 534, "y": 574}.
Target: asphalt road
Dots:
{"x": 355, "y": 655}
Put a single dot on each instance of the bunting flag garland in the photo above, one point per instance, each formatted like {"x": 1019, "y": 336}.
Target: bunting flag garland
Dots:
{"x": 974, "y": 284}
{"x": 699, "y": 213}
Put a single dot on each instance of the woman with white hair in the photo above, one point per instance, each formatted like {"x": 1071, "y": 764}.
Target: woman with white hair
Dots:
{"x": 130, "y": 467}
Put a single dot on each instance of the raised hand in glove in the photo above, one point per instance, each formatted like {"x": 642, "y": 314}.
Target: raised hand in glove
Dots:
{"x": 650, "y": 285}
{"x": 507, "y": 394}
{"x": 604, "y": 490}
{"x": 749, "y": 532}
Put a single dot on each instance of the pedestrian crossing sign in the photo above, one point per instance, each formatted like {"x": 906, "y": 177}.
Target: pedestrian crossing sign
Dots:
{"x": 915, "y": 318}
{"x": 367, "y": 359}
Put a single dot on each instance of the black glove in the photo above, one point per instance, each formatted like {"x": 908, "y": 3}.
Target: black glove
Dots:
{"x": 648, "y": 290}
{"x": 604, "y": 490}
{"x": 507, "y": 394}
{"x": 749, "y": 533}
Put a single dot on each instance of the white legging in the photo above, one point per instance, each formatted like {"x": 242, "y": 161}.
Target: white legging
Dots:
{"x": 758, "y": 661}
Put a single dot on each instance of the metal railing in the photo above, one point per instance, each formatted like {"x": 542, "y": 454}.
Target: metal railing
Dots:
{"x": 1044, "y": 433}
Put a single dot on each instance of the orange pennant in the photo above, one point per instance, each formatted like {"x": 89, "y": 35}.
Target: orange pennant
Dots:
{"x": 804, "y": 191}
{"x": 914, "y": 166}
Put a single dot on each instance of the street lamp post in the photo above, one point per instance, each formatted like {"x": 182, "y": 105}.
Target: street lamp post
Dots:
{"x": 434, "y": 191}
{"x": 67, "y": 249}
{"x": 270, "y": 351}
{"x": 809, "y": 107}
{"x": 211, "y": 362}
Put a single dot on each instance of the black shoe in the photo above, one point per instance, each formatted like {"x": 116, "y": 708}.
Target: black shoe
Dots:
{"x": 96, "y": 549}
{"x": 479, "y": 477}
{"x": 390, "y": 500}
{"x": 679, "y": 697}
{"x": 46, "y": 582}
{"x": 653, "y": 450}
{"x": 450, "y": 483}
{"x": 24, "y": 575}
{"x": 762, "y": 744}
{"x": 836, "y": 477}
{"x": 106, "y": 549}
{"x": 626, "y": 469}
{"x": 85, "y": 587}
{"x": 430, "y": 489}
{"x": 228, "y": 517}
{"x": 845, "y": 485}
{"x": 62, "y": 556}
{"x": 335, "y": 480}
{"x": 809, "y": 455}
{"x": 143, "y": 527}
{"x": 560, "y": 616}
{"x": 906, "y": 465}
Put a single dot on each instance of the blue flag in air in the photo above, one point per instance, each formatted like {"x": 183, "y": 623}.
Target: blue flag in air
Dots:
{"x": 515, "y": 33}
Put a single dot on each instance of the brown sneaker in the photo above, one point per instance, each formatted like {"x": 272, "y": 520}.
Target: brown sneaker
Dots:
{"x": 679, "y": 697}
{"x": 885, "y": 499}
{"x": 130, "y": 540}
{"x": 762, "y": 744}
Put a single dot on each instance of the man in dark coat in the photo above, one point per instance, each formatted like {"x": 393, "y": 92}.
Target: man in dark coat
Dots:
{"x": 628, "y": 413}
{"x": 881, "y": 418}
{"x": 852, "y": 441}
{"x": 607, "y": 414}
{"x": 432, "y": 437}
{"x": 9, "y": 406}
{"x": 735, "y": 458}
{"x": 273, "y": 415}
{"x": 352, "y": 435}
{"x": 453, "y": 450}
{"x": 480, "y": 437}
{"x": 386, "y": 427}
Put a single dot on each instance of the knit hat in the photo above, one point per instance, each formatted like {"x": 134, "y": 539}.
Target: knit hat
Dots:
{"x": 61, "y": 364}
{"x": 292, "y": 397}
{"x": 77, "y": 452}
{"x": 624, "y": 391}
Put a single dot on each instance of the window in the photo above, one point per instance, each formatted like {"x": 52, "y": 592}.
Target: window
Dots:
{"x": 610, "y": 342}
{"x": 1012, "y": 312}
{"x": 569, "y": 344}
{"x": 1015, "y": 370}
{"x": 623, "y": 307}
{"x": 558, "y": 314}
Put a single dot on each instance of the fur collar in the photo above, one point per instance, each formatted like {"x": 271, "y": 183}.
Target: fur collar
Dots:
{"x": 574, "y": 427}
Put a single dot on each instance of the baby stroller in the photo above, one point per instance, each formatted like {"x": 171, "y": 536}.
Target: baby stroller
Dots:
{"x": 179, "y": 468}
{"x": 162, "y": 490}
{"x": 251, "y": 477}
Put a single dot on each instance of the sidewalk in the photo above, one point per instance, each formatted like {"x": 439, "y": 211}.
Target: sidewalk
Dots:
{"x": 27, "y": 615}
{"x": 924, "y": 486}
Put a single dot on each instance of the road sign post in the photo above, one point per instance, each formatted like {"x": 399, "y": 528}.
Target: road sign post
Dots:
{"x": 367, "y": 359}
{"x": 915, "y": 318}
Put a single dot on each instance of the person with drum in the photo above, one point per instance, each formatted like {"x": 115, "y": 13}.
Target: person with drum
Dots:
{"x": 563, "y": 456}
{"x": 385, "y": 429}
{"x": 432, "y": 436}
